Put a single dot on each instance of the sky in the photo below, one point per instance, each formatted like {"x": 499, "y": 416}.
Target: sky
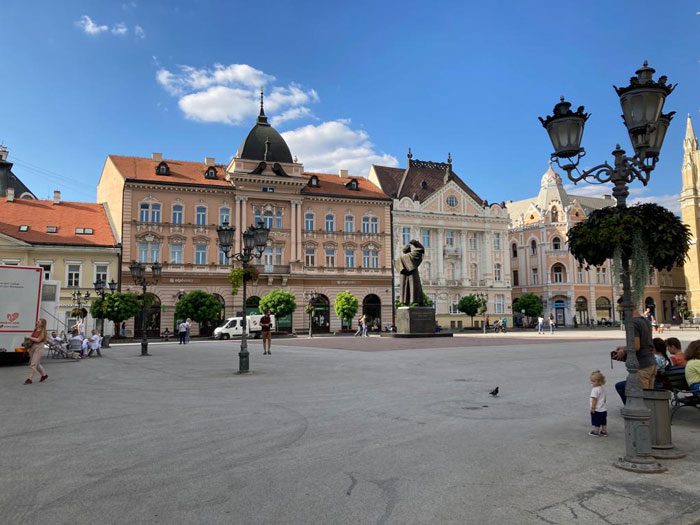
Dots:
{"x": 349, "y": 84}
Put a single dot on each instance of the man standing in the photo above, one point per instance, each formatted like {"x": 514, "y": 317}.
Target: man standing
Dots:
{"x": 265, "y": 325}
{"x": 643, "y": 344}
{"x": 182, "y": 332}
{"x": 540, "y": 324}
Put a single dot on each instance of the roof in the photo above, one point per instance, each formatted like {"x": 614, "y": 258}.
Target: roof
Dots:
{"x": 181, "y": 171}
{"x": 264, "y": 142}
{"x": 10, "y": 180}
{"x": 67, "y": 216}
{"x": 335, "y": 185}
{"x": 420, "y": 180}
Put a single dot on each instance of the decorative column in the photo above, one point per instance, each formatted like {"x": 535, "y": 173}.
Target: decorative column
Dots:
{"x": 440, "y": 247}
{"x": 293, "y": 228}
{"x": 463, "y": 243}
{"x": 237, "y": 223}
{"x": 300, "y": 230}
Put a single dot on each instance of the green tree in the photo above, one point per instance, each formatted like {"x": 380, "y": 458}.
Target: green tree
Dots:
{"x": 280, "y": 303}
{"x": 346, "y": 306}
{"x": 116, "y": 307}
{"x": 200, "y": 306}
{"x": 470, "y": 305}
{"x": 531, "y": 303}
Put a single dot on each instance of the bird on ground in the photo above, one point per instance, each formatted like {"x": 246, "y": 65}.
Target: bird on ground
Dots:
{"x": 494, "y": 392}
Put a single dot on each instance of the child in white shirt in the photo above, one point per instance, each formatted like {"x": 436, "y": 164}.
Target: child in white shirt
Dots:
{"x": 599, "y": 412}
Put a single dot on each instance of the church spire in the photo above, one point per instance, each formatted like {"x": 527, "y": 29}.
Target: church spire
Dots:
{"x": 262, "y": 119}
{"x": 691, "y": 141}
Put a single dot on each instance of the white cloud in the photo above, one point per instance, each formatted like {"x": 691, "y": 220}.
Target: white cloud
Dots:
{"x": 290, "y": 114}
{"x": 139, "y": 32}
{"x": 585, "y": 189}
{"x": 637, "y": 195}
{"x": 334, "y": 145}
{"x": 189, "y": 79}
{"x": 91, "y": 28}
{"x": 220, "y": 104}
{"x": 670, "y": 202}
{"x": 120, "y": 29}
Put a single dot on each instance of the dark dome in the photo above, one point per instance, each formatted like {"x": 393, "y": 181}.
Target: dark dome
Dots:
{"x": 264, "y": 138}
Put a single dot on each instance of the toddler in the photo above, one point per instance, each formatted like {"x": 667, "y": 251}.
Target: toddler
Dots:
{"x": 599, "y": 413}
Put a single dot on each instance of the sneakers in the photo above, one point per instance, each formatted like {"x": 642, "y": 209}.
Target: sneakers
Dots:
{"x": 603, "y": 433}
{"x": 43, "y": 378}
{"x": 594, "y": 433}
{"x": 28, "y": 382}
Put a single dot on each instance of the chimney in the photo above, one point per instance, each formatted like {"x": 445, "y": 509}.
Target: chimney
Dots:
{"x": 3, "y": 152}
{"x": 157, "y": 156}
{"x": 342, "y": 173}
{"x": 209, "y": 161}
{"x": 56, "y": 197}
{"x": 10, "y": 194}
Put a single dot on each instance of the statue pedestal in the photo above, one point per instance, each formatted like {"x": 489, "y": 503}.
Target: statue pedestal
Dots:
{"x": 416, "y": 321}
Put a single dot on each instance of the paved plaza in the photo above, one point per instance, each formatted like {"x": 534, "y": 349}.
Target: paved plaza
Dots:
{"x": 334, "y": 430}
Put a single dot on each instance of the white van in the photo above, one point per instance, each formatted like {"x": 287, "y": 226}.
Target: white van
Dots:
{"x": 232, "y": 327}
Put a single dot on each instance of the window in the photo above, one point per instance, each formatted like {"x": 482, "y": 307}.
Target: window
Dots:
{"x": 406, "y": 234}
{"x": 349, "y": 257}
{"x": 177, "y": 214}
{"x": 155, "y": 212}
{"x": 224, "y": 216}
{"x": 500, "y": 303}
{"x": 453, "y": 306}
{"x": 84, "y": 231}
{"x": 601, "y": 276}
{"x": 330, "y": 222}
{"x": 449, "y": 238}
{"x": 310, "y": 256}
{"x": 258, "y": 216}
{"x": 223, "y": 260}
{"x": 579, "y": 275}
{"x": 516, "y": 280}
{"x": 555, "y": 215}
{"x": 497, "y": 274}
{"x": 535, "y": 276}
{"x": 425, "y": 237}
{"x": 370, "y": 258}
{"x": 47, "y": 267}
{"x": 473, "y": 271}
{"x": 472, "y": 243}
{"x": 309, "y": 221}
{"x": 176, "y": 254}
{"x": 278, "y": 219}
{"x": 268, "y": 259}
{"x": 149, "y": 212}
{"x": 349, "y": 223}
{"x": 268, "y": 217}
{"x": 24, "y": 228}
{"x": 556, "y": 244}
{"x": 452, "y": 201}
{"x": 533, "y": 247}
{"x": 73, "y": 277}
{"x": 514, "y": 250}
{"x": 370, "y": 225}
{"x": 278, "y": 254}
{"x": 558, "y": 274}
{"x": 313, "y": 181}
{"x": 200, "y": 254}
{"x": 144, "y": 210}
{"x": 268, "y": 189}
{"x": 51, "y": 229}
{"x": 330, "y": 257}
{"x": 201, "y": 215}
{"x": 149, "y": 251}
{"x": 101, "y": 273}
{"x": 496, "y": 241}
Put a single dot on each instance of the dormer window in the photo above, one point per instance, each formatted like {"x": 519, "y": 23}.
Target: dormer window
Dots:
{"x": 51, "y": 229}
{"x": 313, "y": 181}
{"x": 423, "y": 185}
{"x": 210, "y": 173}
{"x": 353, "y": 185}
{"x": 163, "y": 169}
{"x": 83, "y": 231}
{"x": 24, "y": 228}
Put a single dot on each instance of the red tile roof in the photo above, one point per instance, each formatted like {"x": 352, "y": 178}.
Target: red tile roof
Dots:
{"x": 181, "y": 171}
{"x": 67, "y": 216}
{"x": 329, "y": 184}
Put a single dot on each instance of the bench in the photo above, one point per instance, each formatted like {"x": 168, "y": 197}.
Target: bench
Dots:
{"x": 673, "y": 379}
{"x": 688, "y": 324}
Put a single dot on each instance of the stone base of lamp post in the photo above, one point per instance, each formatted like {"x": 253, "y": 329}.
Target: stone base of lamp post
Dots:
{"x": 243, "y": 362}
{"x": 638, "y": 456}
{"x": 662, "y": 447}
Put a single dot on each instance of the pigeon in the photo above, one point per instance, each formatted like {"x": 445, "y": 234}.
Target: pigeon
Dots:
{"x": 494, "y": 392}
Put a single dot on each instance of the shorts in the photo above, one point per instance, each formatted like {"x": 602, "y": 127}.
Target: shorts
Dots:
{"x": 599, "y": 419}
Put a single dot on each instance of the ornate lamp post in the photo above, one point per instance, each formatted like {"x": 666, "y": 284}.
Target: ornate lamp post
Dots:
{"x": 682, "y": 302}
{"x": 312, "y": 299}
{"x": 99, "y": 285}
{"x": 484, "y": 299}
{"x": 254, "y": 244}
{"x": 79, "y": 299}
{"x": 138, "y": 274}
{"x": 642, "y": 104}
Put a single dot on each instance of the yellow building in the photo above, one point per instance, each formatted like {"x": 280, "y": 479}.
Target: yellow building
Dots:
{"x": 690, "y": 200}
{"x": 73, "y": 242}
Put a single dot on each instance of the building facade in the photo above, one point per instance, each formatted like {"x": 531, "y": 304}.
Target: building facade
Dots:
{"x": 329, "y": 233}
{"x": 74, "y": 243}
{"x": 542, "y": 264}
{"x": 690, "y": 214}
{"x": 465, "y": 238}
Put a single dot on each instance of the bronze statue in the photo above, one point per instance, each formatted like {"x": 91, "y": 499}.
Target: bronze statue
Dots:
{"x": 407, "y": 264}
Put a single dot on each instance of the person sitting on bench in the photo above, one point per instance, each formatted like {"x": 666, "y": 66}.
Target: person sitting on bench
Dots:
{"x": 692, "y": 367}
{"x": 675, "y": 351}
{"x": 166, "y": 335}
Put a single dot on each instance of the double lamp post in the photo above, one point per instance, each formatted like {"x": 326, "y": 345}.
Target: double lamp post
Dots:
{"x": 99, "y": 285}
{"x": 642, "y": 104}
{"x": 254, "y": 244}
{"x": 140, "y": 277}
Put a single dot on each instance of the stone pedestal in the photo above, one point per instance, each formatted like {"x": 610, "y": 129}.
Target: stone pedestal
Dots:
{"x": 662, "y": 447}
{"x": 415, "y": 321}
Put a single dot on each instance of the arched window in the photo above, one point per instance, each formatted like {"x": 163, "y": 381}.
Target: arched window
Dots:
{"x": 370, "y": 224}
{"x": 149, "y": 212}
{"x": 267, "y": 218}
{"x": 497, "y": 272}
{"x": 330, "y": 222}
{"x": 514, "y": 250}
{"x": 309, "y": 222}
{"x": 556, "y": 243}
{"x": 555, "y": 214}
{"x": 310, "y": 255}
{"x": 533, "y": 247}
{"x": 558, "y": 273}
{"x": 349, "y": 223}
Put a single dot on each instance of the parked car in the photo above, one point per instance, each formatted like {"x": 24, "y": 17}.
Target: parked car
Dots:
{"x": 233, "y": 327}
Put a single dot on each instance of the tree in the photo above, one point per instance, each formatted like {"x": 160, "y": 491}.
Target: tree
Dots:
{"x": 200, "y": 306}
{"x": 116, "y": 307}
{"x": 346, "y": 306}
{"x": 280, "y": 303}
{"x": 531, "y": 303}
{"x": 470, "y": 305}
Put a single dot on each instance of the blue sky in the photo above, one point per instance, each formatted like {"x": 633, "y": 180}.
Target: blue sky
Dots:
{"x": 349, "y": 83}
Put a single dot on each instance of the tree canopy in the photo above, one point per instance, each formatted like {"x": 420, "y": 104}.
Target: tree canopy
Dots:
{"x": 200, "y": 306}
{"x": 346, "y": 306}
{"x": 116, "y": 307}
{"x": 279, "y": 302}
{"x": 531, "y": 303}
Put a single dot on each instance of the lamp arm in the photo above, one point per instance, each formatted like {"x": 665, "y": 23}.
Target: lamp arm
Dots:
{"x": 599, "y": 174}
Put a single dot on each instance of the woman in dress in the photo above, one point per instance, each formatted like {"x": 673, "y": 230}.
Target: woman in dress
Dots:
{"x": 36, "y": 351}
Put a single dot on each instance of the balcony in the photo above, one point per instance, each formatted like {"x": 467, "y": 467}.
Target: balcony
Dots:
{"x": 452, "y": 251}
{"x": 272, "y": 269}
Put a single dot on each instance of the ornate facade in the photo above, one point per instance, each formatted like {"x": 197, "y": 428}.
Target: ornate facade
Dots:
{"x": 465, "y": 238}
{"x": 329, "y": 232}
{"x": 690, "y": 213}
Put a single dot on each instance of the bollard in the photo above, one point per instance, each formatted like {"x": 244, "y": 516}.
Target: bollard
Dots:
{"x": 659, "y": 402}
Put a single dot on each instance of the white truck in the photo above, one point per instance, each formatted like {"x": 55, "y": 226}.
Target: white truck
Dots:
{"x": 233, "y": 327}
{"x": 20, "y": 300}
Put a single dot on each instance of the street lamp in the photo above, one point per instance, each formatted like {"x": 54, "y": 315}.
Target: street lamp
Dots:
{"x": 78, "y": 299}
{"x": 254, "y": 244}
{"x": 312, "y": 299}
{"x": 682, "y": 302}
{"x": 138, "y": 274}
{"x": 642, "y": 104}
{"x": 484, "y": 300}
{"x": 99, "y": 285}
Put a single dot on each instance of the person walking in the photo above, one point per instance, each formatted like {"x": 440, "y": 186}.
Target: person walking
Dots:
{"x": 360, "y": 324}
{"x": 182, "y": 332}
{"x": 265, "y": 328}
{"x": 36, "y": 351}
{"x": 365, "y": 326}
{"x": 188, "y": 323}
{"x": 552, "y": 323}
{"x": 540, "y": 324}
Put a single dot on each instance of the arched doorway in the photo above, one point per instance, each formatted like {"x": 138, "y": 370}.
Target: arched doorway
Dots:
{"x": 321, "y": 315}
{"x": 372, "y": 310}
{"x": 602, "y": 309}
{"x": 582, "y": 310}
{"x": 152, "y": 318}
{"x": 559, "y": 310}
{"x": 252, "y": 305}
{"x": 651, "y": 304}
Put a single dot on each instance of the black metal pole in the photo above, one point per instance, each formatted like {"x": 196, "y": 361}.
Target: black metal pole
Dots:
{"x": 244, "y": 355}
{"x": 144, "y": 323}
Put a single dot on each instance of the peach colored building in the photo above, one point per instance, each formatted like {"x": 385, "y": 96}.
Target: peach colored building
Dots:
{"x": 329, "y": 233}
{"x": 542, "y": 264}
